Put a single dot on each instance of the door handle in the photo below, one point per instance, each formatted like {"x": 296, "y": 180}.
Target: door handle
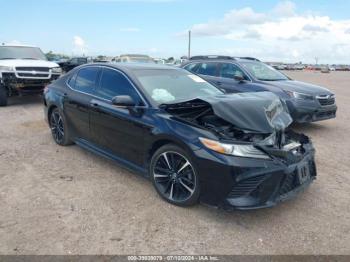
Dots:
{"x": 94, "y": 104}
{"x": 219, "y": 83}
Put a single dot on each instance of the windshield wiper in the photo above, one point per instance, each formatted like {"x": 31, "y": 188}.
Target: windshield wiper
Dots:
{"x": 30, "y": 58}
{"x": 7, "y": 58}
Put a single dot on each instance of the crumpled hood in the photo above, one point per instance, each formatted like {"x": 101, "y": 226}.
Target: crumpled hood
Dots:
{"x": 261, "y": 112}
{"x": 301, "y": 87}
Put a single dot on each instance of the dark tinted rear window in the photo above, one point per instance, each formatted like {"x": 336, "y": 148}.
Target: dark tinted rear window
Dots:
{"x": 207, "y": 69}
{"x": 86, "y": 79}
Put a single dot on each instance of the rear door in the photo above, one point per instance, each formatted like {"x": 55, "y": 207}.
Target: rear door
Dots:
{"x": 208, "y": 71}
{"x": 77, "y": 102}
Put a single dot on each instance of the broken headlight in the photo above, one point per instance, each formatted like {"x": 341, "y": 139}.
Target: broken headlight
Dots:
{"x": 7, "y": 68}
{"x": 298, "y": 95}
{"x": 233, "y": 149}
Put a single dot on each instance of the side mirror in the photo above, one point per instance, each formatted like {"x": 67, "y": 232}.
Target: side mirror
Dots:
{"x": 123, "y": 101}
{"x": 238, "y": 78}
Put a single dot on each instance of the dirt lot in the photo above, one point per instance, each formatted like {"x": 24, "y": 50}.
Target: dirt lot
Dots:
{"x": 64, "y": 200}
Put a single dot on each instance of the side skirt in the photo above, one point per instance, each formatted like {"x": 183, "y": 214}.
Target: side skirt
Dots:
{"x": 120, "y": 161}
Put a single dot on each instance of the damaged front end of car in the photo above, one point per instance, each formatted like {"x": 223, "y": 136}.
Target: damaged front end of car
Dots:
{"x": 261, "y": 161}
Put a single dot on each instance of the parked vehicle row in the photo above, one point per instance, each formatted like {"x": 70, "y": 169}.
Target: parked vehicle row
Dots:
{"x": 191, "y": 139}
{"x": 73, "y": 62}
{"x": 306, "y": 102}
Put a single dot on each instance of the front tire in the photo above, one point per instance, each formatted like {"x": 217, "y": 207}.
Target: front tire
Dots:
{"x": 59, "y": 129}
{"x": 3, "y": 96}
{"x": 174, "y": 176}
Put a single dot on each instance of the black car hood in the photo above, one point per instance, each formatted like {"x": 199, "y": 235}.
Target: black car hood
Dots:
{"x": 301, "y": 87}
{"x": 259, "y": 112}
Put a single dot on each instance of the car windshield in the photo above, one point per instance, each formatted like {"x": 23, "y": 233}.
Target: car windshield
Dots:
{"x": 263, "y": 72}
{"x": 171, "y": 86}
{"x": 21, "y": 52}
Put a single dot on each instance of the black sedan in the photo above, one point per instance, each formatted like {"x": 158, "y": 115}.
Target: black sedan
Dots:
{"x": 194, "y": 142}
{"x": 306, "y": 102}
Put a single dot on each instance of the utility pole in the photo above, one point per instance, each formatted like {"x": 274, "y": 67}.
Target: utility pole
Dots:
{"x": 316, "y": 59}
{"x": 189, "y": 44}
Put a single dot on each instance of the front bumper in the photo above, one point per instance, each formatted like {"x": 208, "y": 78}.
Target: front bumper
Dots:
{"x": 242, "y": 183}
{"x": 26, "y": 85}
{"x": 303, "y": 111}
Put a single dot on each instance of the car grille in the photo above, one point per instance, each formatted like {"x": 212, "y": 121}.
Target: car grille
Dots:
{"x": 32, "y": 75}
{"x": 246, "y": 186}
{"x": 326, "y": 100}
{"x": 325, "y": 114}
{"x": 289, "y": 183}
{"x": 37, "y": 69}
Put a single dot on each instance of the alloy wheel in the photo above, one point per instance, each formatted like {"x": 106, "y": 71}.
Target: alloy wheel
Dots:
{"x": 174, "y": 176}
{"x": 57, "y": 127}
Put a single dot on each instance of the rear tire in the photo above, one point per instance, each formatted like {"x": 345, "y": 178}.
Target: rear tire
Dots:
{"x": 174, "y": 176}
{"x": 3, "y": 96}
{"x": 59, "y": 128}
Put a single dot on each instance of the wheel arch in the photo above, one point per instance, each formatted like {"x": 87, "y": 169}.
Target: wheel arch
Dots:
{"x": 49, "y": 111}
{"x": 162, "y": 141}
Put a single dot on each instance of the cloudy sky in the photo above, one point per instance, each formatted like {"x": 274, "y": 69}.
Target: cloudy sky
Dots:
{"x": 290, "y": 31}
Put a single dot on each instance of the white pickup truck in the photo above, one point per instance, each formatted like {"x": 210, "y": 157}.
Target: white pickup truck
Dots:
{"x": 24, "y": 70}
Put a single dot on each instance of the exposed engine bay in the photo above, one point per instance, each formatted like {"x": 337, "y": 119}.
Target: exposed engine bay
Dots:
{"x": 262, "y": 121}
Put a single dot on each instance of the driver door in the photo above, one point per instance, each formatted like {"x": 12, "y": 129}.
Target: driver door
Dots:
{"x": 227, "y": 81}
{"x": 114, "y": 129}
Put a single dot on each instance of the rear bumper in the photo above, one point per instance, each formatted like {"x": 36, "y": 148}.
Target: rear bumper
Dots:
{"x": 310, "y": 111}
{"x": 241, "y": 183}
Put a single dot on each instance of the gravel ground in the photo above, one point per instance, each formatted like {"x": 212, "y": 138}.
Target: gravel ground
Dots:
{"x": 64, "y": 200}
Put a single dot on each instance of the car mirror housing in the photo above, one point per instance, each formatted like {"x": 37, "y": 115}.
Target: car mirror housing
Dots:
{"x": 123, "y": 101}
{"x": 238, "y": 78}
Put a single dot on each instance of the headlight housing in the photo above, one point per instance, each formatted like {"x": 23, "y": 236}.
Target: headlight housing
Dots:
{"x": 56, "y": 70}
{"x": 301, "y": 96}
{"x": 7, "y": 68}
{"x": 233, "y": 149}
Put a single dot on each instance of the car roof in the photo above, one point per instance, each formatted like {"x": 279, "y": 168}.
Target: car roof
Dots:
{"x": 221, "y": 59}
{"x": 137, "y": 66}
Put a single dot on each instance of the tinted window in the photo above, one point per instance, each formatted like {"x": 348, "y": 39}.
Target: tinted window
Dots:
{"x": 71, "y": 81}
{"x": 230, "y": 71}
{"x": 191, "y": 67}
{"x": 113, "y": 84}
{"x": 86, "y": 79}
{"x": 207, "y": 69}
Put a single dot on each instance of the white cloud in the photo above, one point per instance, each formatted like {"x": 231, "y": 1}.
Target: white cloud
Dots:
{"x": 315, "y": 28}
{"x": 79, "y": 45}
{"x": 284, "y": 9}
{"x": 129, "y": 29}
{"x": 153, "y": 50}
{"x": 283, "y": 33}
{"x": 232, "y": 20}
{"x": 14, "y": 42}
